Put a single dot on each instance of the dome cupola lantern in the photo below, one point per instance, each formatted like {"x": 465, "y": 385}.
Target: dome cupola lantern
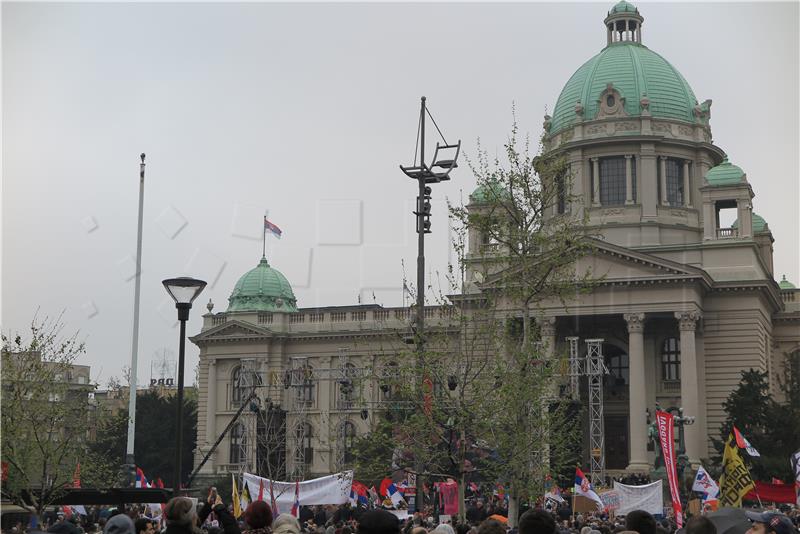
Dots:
{"x": 624, "y": 23}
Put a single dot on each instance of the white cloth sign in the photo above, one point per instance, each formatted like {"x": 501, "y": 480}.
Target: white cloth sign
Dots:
{"x": 332, "y": 489}
{"x": 649, "y": 498}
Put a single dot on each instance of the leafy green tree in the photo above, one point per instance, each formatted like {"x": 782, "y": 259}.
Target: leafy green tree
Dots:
{"x": 46, "y": 417}
{"x": 532, "y": 232}
{"x": 772, "y": 427}
{"x": 784, "y": 424}
{"x": 154, "y": 443}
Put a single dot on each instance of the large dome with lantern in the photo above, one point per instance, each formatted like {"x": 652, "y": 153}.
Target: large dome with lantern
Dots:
{"x": 636, "y": 74}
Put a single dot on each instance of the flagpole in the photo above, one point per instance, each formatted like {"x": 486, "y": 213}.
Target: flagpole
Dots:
{"x": 130, "y": 461}
{"x": 264, "y": 238}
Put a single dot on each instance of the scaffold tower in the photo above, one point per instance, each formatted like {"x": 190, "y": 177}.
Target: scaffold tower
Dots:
{"x": 595, "y": 371}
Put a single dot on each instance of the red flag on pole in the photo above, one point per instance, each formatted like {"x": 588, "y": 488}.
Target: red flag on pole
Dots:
{"x": 666, "y": 434}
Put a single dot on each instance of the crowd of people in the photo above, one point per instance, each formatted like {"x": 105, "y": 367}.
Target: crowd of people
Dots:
{"x": 182, "y": 516}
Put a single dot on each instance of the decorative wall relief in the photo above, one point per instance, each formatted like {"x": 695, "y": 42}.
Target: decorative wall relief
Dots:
{"x": 596, "y": 128}
{"x": 625, "y": 126}
{"x": 662, "y": 127}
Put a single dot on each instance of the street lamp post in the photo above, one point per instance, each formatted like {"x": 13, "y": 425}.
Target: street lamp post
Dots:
{"x": 424, "y": 174}
{"x": 183, "y": 290}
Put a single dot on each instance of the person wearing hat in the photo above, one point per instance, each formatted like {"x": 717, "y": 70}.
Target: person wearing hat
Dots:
{"x": 770, "y": 523}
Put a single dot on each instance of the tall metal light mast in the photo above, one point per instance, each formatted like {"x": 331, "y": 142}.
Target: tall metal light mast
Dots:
{"x": 424, "y": 175}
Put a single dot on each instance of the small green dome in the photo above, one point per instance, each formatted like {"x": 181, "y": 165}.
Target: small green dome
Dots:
{"x": 623, "y": 7}
{"x": 785, "y": 284}
{"x": 635, "y": 72}
{"x": 263, "y": 289}
{"x": 487, "y": 192}
{"x": 726, "y": 173}
{"x": 759, "y": 224}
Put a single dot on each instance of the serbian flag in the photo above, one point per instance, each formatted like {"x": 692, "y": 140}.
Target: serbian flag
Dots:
{"x": 296, "y": 505}
{"x": 76, "y": 477}
{"x": 272, "y": 228}
{"x": 584, "y": 488}
{"x": 394, "y": 494}
{"x": 141, "y": 480}
{"x": 742, "y": 443}
{"x": 359, "y": 494}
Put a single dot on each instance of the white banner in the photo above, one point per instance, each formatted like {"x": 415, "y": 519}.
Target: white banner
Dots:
{"x": 648, "y": 498}
{"x": 332, "y": 489}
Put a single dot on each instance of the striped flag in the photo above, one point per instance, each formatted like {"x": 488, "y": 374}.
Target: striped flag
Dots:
{"x": 296, "y": 505}
{"x": 742, "y": 443}
{"x": 272, "y": 228}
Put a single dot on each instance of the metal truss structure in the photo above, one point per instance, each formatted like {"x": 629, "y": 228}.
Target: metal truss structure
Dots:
{"x": 594, "y": 368}
{"x": 595, "y": 371}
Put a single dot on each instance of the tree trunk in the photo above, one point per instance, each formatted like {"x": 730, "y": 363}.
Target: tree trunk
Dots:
{"x": 513, "y": 506}
{"x": 462, "y": 497}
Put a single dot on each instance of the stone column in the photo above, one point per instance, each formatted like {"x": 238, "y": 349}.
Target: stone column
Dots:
{"x": 211, "y": 402}
{"x": 687, "y": 322}
{"x": 662, "y": 162}
{"x": 637, "y": 393}
{"x": 628, "y": 181}
{"x": 687, "y": 188}
{"x": 744, "y": 212}
{"x": 595, "y": 181}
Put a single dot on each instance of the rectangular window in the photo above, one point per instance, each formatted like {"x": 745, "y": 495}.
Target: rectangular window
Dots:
{"x": 671, "y": 360}
{"x": 612, "y": 181}
{"x": 633, "y": 179}
{"x": 674, "y": 170}
{"x": 561, "y": 194}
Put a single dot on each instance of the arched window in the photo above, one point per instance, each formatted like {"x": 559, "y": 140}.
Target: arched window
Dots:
{"x": 305, "y": 452}
{"x": 671, "y": 359}
{"x": 348, "y": 439}
{"x": 238, "y": 450}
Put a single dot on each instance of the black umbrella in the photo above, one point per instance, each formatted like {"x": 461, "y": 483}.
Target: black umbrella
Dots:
{"x": 730, "y": 521}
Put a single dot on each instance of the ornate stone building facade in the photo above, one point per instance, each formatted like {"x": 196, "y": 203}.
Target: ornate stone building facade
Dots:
{"x": 685, "y": 304}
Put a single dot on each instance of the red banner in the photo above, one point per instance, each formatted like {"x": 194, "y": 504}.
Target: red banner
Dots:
{"x": 779, "y": 493}
{"x": 666, "y": 434}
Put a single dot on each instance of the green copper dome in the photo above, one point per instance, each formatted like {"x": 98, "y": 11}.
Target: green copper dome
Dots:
{"x": 262, "y": 289}
{"x": 759, "y": 224}
{"x": 785, "y": 284}
{"x": 635, "y": 72}
{"x": 726, "y": 173}
{"x": 624, "y": 7}
{"x": 488, "y": 192}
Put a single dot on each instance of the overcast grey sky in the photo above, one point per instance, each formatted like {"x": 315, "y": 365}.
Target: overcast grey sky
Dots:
{"x": 305, "y": 111}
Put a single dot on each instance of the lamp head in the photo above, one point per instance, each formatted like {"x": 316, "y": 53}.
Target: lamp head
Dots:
{"x": 183, "y": 291}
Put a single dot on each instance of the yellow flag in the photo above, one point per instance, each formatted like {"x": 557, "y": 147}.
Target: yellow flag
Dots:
{"x": 237, "y": 508}
{"x": 735, "y": 481}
